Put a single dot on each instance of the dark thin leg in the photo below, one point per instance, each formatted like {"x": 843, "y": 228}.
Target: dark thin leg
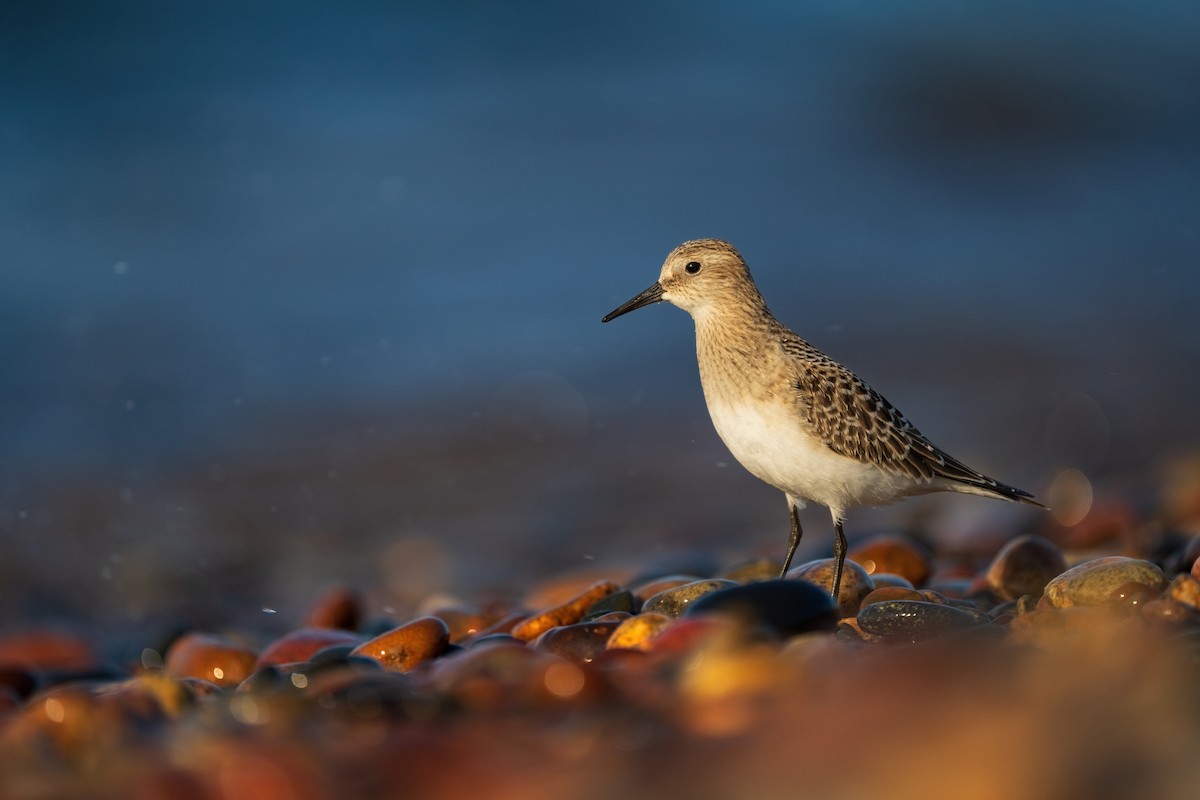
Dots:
{"x": 839, "y": 554}
{"x": 794, "y": 541}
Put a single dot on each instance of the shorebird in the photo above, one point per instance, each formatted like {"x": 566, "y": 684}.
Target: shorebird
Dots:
{"x": 791, "y": 415}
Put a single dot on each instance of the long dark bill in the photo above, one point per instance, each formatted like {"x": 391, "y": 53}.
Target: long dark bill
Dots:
{"x": 650, "y": 296}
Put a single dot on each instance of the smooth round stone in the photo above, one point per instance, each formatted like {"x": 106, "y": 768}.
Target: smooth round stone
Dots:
{"x": 912, "y": 620}
{"x": 1131, "y": 596}
{"x": 302, "y": 644}
{"x": 210, "y": 658}
{"x": 1168, "y": 611}
{"x": 673, "y": 602}
{"x": 337, "y": 607}
{"x": 463, "y": 623}
{"x": 885, "y": 593}
{"x": 44, "y": 649}
{"x": 622, "y": 601}
{"x": 1092, "y": 582}
{"x": 758, "y": 569}
{"x": 1185, "y": 589}
{"x": 579, "y": 643}
{"x": 407, "y": 647}
{"x": 647, "y": 589}
{"x": 637, "y": 633}
{"x": 788, "y": 607}
{"x": 1024, "y": 566}
{"x": 893, "y": 553}
{"x": 567, "y": 613}
{"x": 856, "y": 583}
{"x": 882, "y": 579}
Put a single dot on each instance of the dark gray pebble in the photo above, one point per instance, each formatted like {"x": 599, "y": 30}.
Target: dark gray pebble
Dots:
{"x": 788, "y": 607}
{"x": 913, "y": 620}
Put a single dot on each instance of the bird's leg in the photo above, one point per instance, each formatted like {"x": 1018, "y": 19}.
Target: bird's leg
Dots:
{"x": 839, "y": 555}
{"x": 794, "y": 540}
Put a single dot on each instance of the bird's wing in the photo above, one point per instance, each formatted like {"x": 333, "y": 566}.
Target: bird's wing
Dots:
{"x": 856, "y": 421}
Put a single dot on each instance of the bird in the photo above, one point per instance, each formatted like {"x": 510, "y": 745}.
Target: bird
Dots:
{"x": 791, "y": 415}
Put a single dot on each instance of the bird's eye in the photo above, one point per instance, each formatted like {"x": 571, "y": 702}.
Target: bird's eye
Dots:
{"x": 692, "y": 267}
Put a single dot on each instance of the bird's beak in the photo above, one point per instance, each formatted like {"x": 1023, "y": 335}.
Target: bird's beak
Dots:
{"x": 652, "y": 295}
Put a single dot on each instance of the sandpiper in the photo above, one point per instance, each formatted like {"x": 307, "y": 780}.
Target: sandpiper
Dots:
{"x": 793, "y": 416}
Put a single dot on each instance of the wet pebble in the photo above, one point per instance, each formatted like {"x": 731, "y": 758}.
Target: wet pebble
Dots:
{"x": 1185, "y": 589}
{"x": 303, "y": 643}
{"x": 337, "y": 607}
{"x": 882, "y": 579}
{"x": 408, "y": 646}
{"x": 912, "y": 620}
{"x": 787, "y": 607}
{"x": 579, "y": 643}
{"x": 895, "y": 554}
{"x": 856, "y": 583}
{"x": 209, "y": 658}
{"x": 637, "y": 633}
{"x": 674, "y": 601}
{"x": 1092, "y": 582}
{"x": 758, "y": 569}
{"x": 647, "y": 589}
{"x": 884, "y": 593}
{"x": 567, "y": 613}
{"x": 1024, "y": 566}
{"x": 622, "y": 601}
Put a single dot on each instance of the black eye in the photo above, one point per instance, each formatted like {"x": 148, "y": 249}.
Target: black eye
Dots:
{"x": 692, "y": 267}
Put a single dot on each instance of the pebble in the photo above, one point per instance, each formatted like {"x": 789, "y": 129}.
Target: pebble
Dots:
{"x": 1024, "y": 566}
{"x": 757, "y": 569}
{"x": 302, "y": 644}
{"x": 209, "y": 658}
{"x": 893, "y": 553}
{"x": 408, "y": 646}
{"x": 336, "y": 607}
{"x": 1092, "y": 582}
{"x": 647, "y": 589}
{"x": 1185, "y": 589}
{"x": 568, "y": 613}
{"x": 787, "y": 607}
{"x": 46, "y": 649}
{"x": 1131, "y": 596}
{"x": 912, "y": 620}
{"x": 578, "y": 643}
{"x": 856, "y": 583}
{"x": 882, "y": 579}
{"x": 637, "y": 633}
{"x": 623, "y": 601}
{"x": 884, "y": 593}
{"x": 674, "y": 601}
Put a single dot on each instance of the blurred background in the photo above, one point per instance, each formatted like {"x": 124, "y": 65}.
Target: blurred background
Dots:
{"x": 298, "y": 293}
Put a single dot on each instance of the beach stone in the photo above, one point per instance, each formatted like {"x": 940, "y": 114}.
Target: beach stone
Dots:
{"x": 685, "y": 635}
{"x": 578, "y": 643}
{"x": 1171, "y": 612}
{"x": 1131, "y": 596}
{"x": 637, "y": 633}
{"x": 912, "y": 620}
{"x": 893, "y": 553}
{"x": 647, "y": 589}
{"x": 673, "y": 602}
{"x": 462, "y": 622}
{"x": 884, "y": 593}
{"x": 787, "y": 607}
{"x": 856, "y": 583}
{"x": 622, "y": 601}
{"x": 408, "y": 646}
{"x": 757, "y": 569}
{"x": 302, "y": 644}
{"x": 1092, "y": 582}
{"x": 1185, "y": 589}
{"x": 1024, "y": 566}
{"x": 882, "y": 579}
{"x": 337, "y": 607}
{"x": 567, "y": 613}
{"x": 209, "y": 658}
{"x": 47, "y": 650}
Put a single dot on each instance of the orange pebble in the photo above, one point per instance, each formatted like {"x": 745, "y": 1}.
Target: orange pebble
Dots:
{"x": 200, "y": 655}
{"x": 412, "y": 644}
{"x": 568, "y": 613}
